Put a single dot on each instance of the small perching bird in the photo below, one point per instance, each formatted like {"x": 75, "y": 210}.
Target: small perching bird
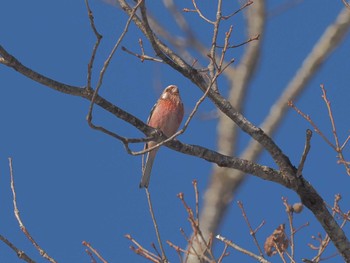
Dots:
{"x": 166, "y": 115}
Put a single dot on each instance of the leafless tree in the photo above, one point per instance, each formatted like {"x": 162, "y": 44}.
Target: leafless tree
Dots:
{"x": 229, "y": 171}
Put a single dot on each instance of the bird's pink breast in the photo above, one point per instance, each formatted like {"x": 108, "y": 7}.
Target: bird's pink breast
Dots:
{"x": 167, "y": 117}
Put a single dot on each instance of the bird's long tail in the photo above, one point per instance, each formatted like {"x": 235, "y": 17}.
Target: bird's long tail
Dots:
{"x": 146, "y": 170}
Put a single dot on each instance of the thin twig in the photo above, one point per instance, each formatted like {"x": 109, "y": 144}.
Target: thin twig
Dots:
{"x": 254, "y": 38}
{"x": 345, "y": 142}
{"x": 330, "y": 113}
{"x": 93, "y": 250}
{"x": 196, "y": 194}
{"x": 223, "y": 254}
{"x": 242, "y": 250}
{"x": 223, "y": 52}
{"x": 156, "y": 250}
{"x": 164, "y": 258}
{"x": 248, "y": 3}
{"x": 142, "y": 251}
{"x": 323, "y": 245}
{"x": 301, "y": 227}
{"x": 289, "y": 212}
{"x": 97, "y": 43}
{"x": 142, "y": 57}
{"x": 177, "y": 249}
{"x": 290, "y": 257}
{"x": 19, "y": 220}
{"x": 305, "y": 152}
{"x": 192, "y": 250}
{"x": 280, "y": 253}
{"x": 93, "y": 260}
{"x": 338, "y": 148}
{"x": 308, "y": 118}
{"x": 199, "y": 12}
{"x": 336, "y": 209}
{"x": 251, "y": 231}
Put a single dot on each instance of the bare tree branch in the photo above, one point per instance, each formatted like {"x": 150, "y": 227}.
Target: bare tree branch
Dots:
{"x": 20, "y": 253}
{"x": 286, "y": 173}
{"x": 160, "y": 243}
{"x": 23, "y": 228}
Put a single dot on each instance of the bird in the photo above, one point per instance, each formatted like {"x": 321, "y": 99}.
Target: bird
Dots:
{"x": 166, "y": 115}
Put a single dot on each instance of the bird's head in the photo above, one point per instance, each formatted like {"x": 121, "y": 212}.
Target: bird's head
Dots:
{"x": 170, "y": 91}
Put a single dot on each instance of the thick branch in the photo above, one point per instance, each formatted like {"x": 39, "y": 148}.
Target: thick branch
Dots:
{"x": 12, "y": 62}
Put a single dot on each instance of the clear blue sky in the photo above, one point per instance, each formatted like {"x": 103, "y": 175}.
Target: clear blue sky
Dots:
{"x": 76, "y": 184}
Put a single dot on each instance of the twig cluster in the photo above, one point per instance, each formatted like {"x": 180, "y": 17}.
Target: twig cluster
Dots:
{"x": 193, "y": 217}
{"x": 277, "y": 243}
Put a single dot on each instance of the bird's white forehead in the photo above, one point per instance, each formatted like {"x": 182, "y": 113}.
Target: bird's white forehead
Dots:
{"x": 169, "y": 90}
{"x": 165, "y": 95}
{"x": 172, "y": 88}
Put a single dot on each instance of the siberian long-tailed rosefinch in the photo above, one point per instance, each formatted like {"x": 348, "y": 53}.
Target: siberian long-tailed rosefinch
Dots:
{"x": 166, "y": 115}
